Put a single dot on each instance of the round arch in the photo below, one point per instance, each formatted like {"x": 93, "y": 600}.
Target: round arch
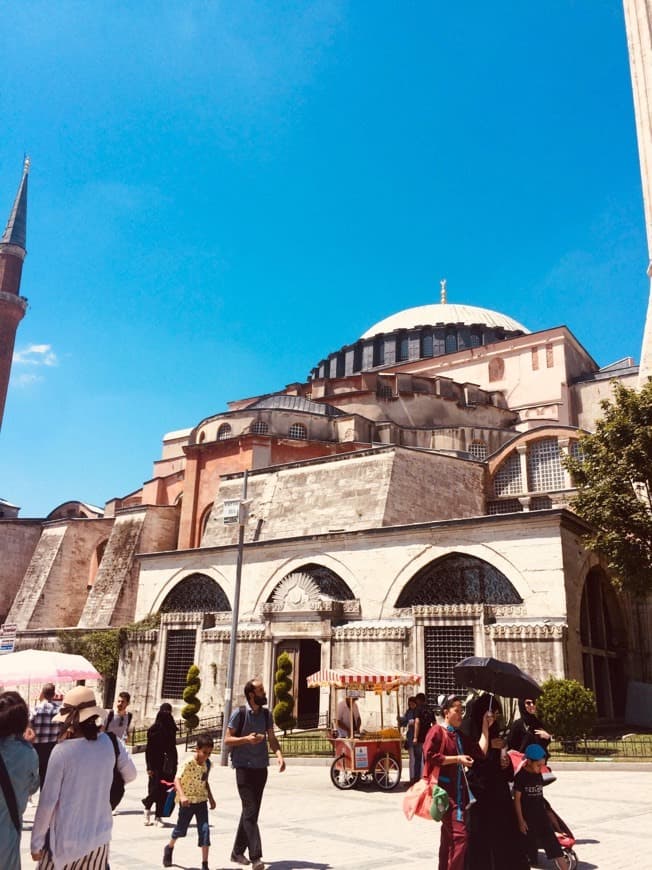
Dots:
{"x": 430, "y": 554}
{"x": 328, "y": 582}
{"x": 293, "y": 565}
{"x": 195, "y": 593}
{"x": 458, "y": 578}
{"x": 178, "y": 577}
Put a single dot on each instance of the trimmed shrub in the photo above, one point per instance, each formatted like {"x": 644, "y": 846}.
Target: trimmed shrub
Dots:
{"x": 282, "y": 712}
{"x": 567, "y": 708}
{"x": 193, "y": 704}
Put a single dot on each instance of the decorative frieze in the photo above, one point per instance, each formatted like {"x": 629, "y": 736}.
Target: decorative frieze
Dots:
{"x": 526, "y": 631}
{"x": 420, "y": 611}
{"x": 224, "y": 634}
{"x": 394, "y": 632}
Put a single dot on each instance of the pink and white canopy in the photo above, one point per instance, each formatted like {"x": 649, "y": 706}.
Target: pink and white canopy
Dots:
{"x": 46, "y": 666}
{"x": 366, "y": 679}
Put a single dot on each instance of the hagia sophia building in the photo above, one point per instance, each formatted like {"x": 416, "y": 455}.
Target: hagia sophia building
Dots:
{"x": 407, "y": 506}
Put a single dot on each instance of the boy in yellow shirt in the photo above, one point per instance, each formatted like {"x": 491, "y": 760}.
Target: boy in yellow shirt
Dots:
{"x": 193, "y": 795}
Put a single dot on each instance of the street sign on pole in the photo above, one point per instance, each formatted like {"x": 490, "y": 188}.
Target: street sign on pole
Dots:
{"x": 8, "y": 637}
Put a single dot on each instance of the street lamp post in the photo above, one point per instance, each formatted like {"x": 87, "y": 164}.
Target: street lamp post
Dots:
{"x": 231, "y": 513}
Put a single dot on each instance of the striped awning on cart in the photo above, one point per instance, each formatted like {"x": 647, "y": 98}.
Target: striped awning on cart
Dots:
{"x": 362, "y": 678}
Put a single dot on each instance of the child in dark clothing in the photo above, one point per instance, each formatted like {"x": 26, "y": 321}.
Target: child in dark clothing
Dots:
{"x": 531, "y": 812}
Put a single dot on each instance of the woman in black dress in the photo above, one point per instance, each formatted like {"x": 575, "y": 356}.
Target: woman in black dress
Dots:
{"x": 529, "y": 728}
{"x": 161, "y": 758}
{"x": 495, "y": 842}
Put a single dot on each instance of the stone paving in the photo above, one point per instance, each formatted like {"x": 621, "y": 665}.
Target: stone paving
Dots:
{"x": 307, "y": 824}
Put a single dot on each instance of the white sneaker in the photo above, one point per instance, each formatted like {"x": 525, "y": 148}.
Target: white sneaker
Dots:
{"x": 147, "y": 817}
{"x": 158, "y": 821}
{"x": 258, "y": 865}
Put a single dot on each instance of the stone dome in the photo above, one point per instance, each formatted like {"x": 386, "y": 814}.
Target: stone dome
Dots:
{"x": 443, "y": 313}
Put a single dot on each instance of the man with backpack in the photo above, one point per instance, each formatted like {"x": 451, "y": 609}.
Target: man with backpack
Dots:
{"x": 118, "y": 721}
{"x": 423, "y": 720}
{"x": 248, "y": 732}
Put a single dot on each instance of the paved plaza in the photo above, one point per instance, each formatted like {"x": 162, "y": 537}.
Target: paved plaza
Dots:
{"x": 308, "y": 825}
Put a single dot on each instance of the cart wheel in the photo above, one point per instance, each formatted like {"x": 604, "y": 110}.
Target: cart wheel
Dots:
{"x": 387, "y": 772}
{"x": 340, "y": 777}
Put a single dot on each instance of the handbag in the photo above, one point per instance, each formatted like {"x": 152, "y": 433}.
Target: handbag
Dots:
{"x": 118, "y": 784}
{"x": 417, "y": 800}
{"x": 168, "y": 806}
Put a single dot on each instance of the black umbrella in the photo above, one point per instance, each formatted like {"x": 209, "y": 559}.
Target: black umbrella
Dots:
{"x": 499, "y": 678}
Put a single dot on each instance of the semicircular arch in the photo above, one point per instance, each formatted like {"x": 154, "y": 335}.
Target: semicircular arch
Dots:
{"x": 297, "y": 565}
{"x": 497, "y": 566}
{"x": 182, "y": 575}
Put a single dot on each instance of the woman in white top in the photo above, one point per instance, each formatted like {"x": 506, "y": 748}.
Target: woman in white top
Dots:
{"x": 73, "y": 822}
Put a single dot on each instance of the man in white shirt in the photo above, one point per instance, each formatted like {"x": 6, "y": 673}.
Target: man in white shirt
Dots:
{"x": 118, "y": 721}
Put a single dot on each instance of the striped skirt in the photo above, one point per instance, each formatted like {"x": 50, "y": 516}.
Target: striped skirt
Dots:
{"x": 98, "y": 859}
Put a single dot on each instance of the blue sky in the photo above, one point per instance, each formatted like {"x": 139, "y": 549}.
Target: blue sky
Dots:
{"x": 223, "y": 193}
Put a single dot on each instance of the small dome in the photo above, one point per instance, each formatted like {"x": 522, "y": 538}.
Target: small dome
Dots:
{"x": 443, "y": 313}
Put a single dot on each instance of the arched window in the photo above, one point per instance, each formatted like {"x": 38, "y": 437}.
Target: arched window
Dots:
{"x": 224, "y": 432}
{"x": 451, "y": 342}
{"x": 196, "y": 593}
{"x": 604, "y": 645}
{"x": 259, "y": 427}
{"x": 402, "y": 348}
{"x": 458, "y": 579}
{"x": 426, "y": 344}
{"x": 298, "y": 431}
{"x": 508, "y": 480}
{"x": 545, "y": 472}
{"x": 478, "y": 450}
{"x": 202, "y": 437}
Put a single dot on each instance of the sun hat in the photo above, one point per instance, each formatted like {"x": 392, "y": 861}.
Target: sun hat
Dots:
{"x": 78, "y": 705}
{"x": 534, "y": 752}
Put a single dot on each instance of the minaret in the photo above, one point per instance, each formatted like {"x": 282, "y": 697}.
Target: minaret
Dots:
{"x": 638, "y": 23}
{"x": 12, "y": 305}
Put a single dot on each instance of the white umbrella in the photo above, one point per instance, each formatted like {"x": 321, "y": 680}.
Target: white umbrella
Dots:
{"x": 45, "y": 666}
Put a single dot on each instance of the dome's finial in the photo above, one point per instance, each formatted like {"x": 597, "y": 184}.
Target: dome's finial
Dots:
{"x": 26, "y": 163}
{"x": 442, "y": 298}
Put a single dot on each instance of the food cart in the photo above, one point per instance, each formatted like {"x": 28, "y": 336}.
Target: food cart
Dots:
{"x": 373, "y": 755}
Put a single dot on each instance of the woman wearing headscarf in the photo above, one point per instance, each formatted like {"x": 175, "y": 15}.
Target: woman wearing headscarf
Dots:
{"x": 21, "y": 764}
{"x": 73, "y": 822}
{"x": 161, "y": 759}
{"x": 528, "y": 729}
{"x": 494, "y": 839}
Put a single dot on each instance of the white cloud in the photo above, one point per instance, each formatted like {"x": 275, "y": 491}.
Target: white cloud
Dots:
{"x": 26, "y": 380}
{"x": 36, "y": 355}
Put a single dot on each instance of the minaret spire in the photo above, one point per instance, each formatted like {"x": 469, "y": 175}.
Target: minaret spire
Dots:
{"x": 638, "y": 24}
{"x": 442, "y": 295}
{"x": 12, "y": 304}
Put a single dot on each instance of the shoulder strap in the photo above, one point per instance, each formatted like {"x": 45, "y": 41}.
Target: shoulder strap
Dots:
{"x": 208, "y": 767}
{"x": 242, "y": 712}
{"x": 130, "y": 716}
{"x": 268, "y": 719}
{"x": 10, "y": 794}
{"x": 114, "y": 740}
{"x": 109, "y": 718}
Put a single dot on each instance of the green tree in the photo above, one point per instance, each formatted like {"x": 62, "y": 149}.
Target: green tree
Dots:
{"x": 567, "y": 708}
{"x": 282, "y": 690}
{"x": 193, "y": 704}
{"x": 613, "y": 476}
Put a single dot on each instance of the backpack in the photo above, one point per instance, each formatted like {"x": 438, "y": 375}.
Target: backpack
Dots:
{"x": 427, "y": 720}
{"x": 242, "y": 715}
{"x": 110, "y": 718}
{"x": 118, "y": 785}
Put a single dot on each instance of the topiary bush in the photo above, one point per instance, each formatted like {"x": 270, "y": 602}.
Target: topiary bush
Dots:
{"x": 282, "y": 712}
{"x": 193, "y": 704}
{"x": 567, "y": 708}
